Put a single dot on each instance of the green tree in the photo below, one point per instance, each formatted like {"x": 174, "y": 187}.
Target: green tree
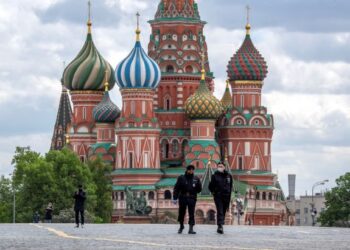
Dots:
{"x": 6, "y": 197}
{"x": 337, "y": 212}
{"x": 101, "y": 177}
{"x": 54, "y": 178}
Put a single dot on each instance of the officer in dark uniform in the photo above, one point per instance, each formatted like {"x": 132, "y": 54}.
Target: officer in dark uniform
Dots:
{"x": 186, "y": 189}
{"x": 221, "y": 187}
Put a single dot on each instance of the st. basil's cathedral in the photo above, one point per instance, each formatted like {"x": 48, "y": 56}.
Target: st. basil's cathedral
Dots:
{"x": 170, "y": 118}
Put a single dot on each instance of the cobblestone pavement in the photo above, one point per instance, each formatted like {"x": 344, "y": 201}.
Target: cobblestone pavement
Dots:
{"x": 120, "y": 236}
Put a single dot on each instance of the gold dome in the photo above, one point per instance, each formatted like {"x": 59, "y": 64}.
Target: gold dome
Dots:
{"x": 202, "y": 104}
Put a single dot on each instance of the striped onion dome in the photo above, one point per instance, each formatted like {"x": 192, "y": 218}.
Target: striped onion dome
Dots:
{"x": 226, "y": 99}
{"x": 203, "y": 104}
{"x": 87, "y": 70}
{"x": 247, "y": 63}
{"x": 106, "y": 111}
{"x": 138, "y": 70}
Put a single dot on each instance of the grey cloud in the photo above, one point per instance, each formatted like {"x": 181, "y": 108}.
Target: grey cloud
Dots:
{"x": 294, "y": 15}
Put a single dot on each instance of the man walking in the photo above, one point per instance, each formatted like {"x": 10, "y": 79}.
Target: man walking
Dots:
{"x": 221, "y": 187}
{"x": 186, "y": 189}
{"x": 79, "y": 197}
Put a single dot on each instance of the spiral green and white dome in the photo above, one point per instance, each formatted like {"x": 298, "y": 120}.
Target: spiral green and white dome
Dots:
{"x": 87, "y": 71}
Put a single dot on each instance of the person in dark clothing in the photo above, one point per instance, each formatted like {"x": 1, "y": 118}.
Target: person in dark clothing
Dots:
{"x": 186, "y": 189}
{"x": 221, "y": 187}
{"x": 36, "y": 217}
{"x": 79, "y": 197}
{"x": 48, "y": 213}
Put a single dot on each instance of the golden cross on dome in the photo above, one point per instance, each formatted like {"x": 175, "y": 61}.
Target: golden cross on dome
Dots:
{"x": 89, "y": 23}
{"x": 106, "y": 81}
{"x": 248, "y": 10}
{"x": 247, "y": 27}
{"x": 138, "y": 31}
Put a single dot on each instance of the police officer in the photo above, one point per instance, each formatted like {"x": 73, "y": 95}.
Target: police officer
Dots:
{"x": 186, "y": 189}
{"x": 221, "y": 187}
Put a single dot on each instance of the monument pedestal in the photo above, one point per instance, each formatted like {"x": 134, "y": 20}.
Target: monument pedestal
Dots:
{"x": 134, "y": 219}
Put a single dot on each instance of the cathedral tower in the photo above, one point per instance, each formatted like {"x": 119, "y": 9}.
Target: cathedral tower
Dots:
{"x": 175, "y": 44}
{"x": 84, "y": 77}
{"x": 137, "y": 128}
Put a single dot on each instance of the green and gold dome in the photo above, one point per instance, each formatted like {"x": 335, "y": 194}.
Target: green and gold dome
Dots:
{"x": 203, "y": 104}
{"x": 87, "y": 70}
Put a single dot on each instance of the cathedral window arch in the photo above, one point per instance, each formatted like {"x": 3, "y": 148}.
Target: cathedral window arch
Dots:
{"x": 264, "y": 195}
{"x": 240, "y": 162}
{"x": 175, "y": 144}
{"x": 131, "y": 160}
{"x": 165, "y": 149}
{"x": 167, "y": 195}
{"x": 257, "y": 196}
{"x": 151, "y": 195}
{"x": 170, "y": 69}
{"x": 270, "y": 196}
{"x": 167, "y": 102}
{"x": 183, "y": 146}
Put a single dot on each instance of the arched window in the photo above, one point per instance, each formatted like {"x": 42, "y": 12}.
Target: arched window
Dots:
{"x": 175, "y": 147}
{"x": 270, "y": 196}
{"x": 167, "y": 195}
{"x": 167, "y": 102}
{"x": 240, "y": 162}
{"x": 131, "y": 160}
{"x": 165, "y": 149}
{"x": 170, "y": 69}
{"x": 257, "y": 196}
{"x": 151, "y": 195}
{"x": 121, "y": 196}
{"x": 264, "y": 196}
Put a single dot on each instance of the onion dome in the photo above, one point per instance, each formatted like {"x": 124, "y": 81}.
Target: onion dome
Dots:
{"x": 203, "y": 104}
{"x": 227, "y": 98}
{"x": 247, "y": 63}
{"x": 106, "y": 111}
{"x": 87, "y": 70}
{"x": 138, "y": 70}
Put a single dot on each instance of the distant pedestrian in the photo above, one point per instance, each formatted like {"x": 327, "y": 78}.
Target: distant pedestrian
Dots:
{"x": 186, "y": 189}
{"x": 36, "y": 217}
{"x": 221, "y": 187}
{"x": 48, "y": 213}
{"x": 79, "y": 197}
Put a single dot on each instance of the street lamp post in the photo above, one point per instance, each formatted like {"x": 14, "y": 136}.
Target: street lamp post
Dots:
{"x": 313, "y": 209}
{"x": 14, "y": 199}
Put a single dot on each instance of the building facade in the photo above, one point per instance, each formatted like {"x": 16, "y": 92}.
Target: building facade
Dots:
{"x": 170, "y": 118}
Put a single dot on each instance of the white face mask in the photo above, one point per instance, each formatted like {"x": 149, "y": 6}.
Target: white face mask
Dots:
{"x": 221, "y": 169}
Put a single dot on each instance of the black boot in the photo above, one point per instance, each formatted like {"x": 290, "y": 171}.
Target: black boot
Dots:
{"x": 220, "y": 229}
{"x": 182, "y": 227}
{"x": 190, "y": 231}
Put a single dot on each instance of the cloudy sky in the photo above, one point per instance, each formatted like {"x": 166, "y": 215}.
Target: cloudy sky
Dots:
{"x": 305, "y": 43}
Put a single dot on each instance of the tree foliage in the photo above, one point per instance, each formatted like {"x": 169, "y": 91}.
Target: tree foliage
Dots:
{"x": 54, "y": 178}
{"x": 6, "y": 199}
{"x": 337, "y": 212}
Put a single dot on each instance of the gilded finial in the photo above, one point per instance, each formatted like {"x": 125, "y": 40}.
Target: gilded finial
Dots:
{"x": 67, "y": 139}
{"x": 247, "y": 27}
{"x": 138, "y": 31}
{"x": 89, "y": 23}
{"x": 106, "y": 81}
{"x": 203, "y": 67}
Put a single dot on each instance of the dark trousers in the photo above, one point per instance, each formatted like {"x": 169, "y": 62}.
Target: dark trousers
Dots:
{"x": 77, "y": 216}
{"x": 222, "y": 203}
{"x": 190, "y": 203}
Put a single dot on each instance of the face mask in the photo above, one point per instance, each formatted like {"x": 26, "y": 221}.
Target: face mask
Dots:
{"x": 221, "y": 169}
